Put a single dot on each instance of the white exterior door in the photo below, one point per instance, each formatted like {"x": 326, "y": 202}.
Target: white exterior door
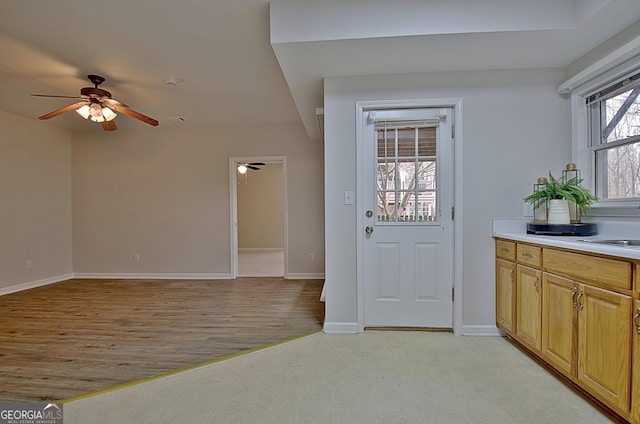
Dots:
{"x": 407, "y": 207}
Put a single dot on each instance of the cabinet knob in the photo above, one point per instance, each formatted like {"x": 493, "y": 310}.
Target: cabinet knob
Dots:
{"x": 636, "y": 320}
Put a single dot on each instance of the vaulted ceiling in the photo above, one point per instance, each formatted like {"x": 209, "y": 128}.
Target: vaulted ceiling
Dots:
{"x": 240, "y": 61}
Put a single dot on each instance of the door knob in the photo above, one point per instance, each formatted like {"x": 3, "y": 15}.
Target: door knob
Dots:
{"x": 369, "y": 229}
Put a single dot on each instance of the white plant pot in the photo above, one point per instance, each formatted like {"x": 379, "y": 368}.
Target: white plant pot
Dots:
{"x": 558, "y": 212}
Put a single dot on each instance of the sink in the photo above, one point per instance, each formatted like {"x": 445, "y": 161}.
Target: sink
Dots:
{"x": 621, "y": 242}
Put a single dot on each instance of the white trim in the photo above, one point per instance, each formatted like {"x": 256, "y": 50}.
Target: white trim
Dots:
{"x": 340, "y": 328}
{"x": 260, "y": 249}
{"x": 588, "y": 78}
{"x": 154, "y": 276}
{"x": 33, "y": 284}
{"x": 304, "y": 276}
{"x": 481, "y": 330}
{"x": 233, "y": 209}
{"x": 456, "y": 104}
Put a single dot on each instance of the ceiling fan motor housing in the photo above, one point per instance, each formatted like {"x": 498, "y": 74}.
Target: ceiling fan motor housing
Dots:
{"x": 94, "y": 92}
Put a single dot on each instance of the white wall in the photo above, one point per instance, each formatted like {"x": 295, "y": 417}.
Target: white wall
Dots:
{"x": 164, "y": 193}
{"x": 260, "y": 208}
{"x": 35, "y": 211}
{"x": 516, "y": 127}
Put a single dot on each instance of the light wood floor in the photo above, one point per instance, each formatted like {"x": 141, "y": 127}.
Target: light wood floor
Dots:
{"x": 79, "y": 336}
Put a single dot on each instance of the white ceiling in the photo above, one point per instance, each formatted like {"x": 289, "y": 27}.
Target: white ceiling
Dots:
{"x": 219, "y": 48}
{"x": 222, "y": 50}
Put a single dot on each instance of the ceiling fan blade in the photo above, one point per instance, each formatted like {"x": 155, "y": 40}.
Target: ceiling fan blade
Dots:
{"x": 59, "y": 97}
{"x": 122, "y": 108}
{"x": 257, "y": 164}
{"x": 63, "y": 110}
{"x": 255, "y": 168}
{"x": 109, "y": 126}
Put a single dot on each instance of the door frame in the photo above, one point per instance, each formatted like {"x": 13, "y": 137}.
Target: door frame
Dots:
{"x": 233, "y": 194}
{"x": 370, "y": 105}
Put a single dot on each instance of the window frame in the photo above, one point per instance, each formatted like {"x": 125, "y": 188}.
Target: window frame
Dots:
{"x": 583, "y": 151}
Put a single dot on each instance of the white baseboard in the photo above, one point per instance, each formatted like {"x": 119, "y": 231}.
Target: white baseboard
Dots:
{"x": 340, "y": 327}
{"x": 154, "y": 276}
{"x": 305, "y": 276}
{"x": 260, "y": 249}
{"x": 33, "y": 284}
{"x": 480, "y": 330}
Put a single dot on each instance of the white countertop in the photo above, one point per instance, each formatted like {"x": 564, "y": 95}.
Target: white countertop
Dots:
{"x": 517, "y": 230}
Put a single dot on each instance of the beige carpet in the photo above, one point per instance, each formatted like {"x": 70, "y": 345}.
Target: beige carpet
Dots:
{"x": 374, "y": 377}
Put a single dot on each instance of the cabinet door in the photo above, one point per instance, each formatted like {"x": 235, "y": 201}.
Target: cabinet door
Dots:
{"x": 506, "y": 295}
{"x": 529, "y": 306}
{"x": 559, "y": 323}
{"x": 635, "y": 362}
{"x": 604, "y": 344}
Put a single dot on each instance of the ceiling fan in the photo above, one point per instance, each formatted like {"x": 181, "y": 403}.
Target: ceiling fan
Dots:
{"x": 97, "y": 105}
{"x": 255, "y": 166}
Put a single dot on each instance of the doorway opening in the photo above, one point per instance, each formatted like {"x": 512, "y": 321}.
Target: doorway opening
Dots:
{"x": 258, "y": 191}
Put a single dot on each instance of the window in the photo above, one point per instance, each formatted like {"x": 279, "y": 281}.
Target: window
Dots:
{"x": 614, "y": 135}
{"x": 406, "y": 174}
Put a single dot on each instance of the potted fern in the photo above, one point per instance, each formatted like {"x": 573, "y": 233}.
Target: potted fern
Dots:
{"x": 558, "y": 193}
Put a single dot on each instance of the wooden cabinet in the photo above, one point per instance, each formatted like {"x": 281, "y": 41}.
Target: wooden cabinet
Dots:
{"x": 506, "y": 250}
{"x": 635, "y": 361}
{"x": 529, "y": 255}
{"x": 576, "y": 312}
{"x": 603, "y": 272}
{"x": 604, "y": 344}
{"x": 560, "y": 323}
{"x": 586, "y": 336}
{"x": 529, "y": 306}
{"x": 506, "y": 295}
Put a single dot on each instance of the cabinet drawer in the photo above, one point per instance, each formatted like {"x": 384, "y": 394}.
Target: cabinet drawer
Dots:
{"x": 506, "y": 250}
{"x": 529, "y": 255}
{"x": 587, "y": 268}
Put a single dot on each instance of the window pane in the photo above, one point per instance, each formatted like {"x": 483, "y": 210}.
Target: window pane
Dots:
{"x": 618, "y": 172}
{"x": 406, "y": 175}
{"x": 427, "y": 141}
{"x": 426, "y": 210}
{"x": 407, "y": 206}
{"x": 622, "y": 116}
{"x": 406, "y": 142}
{"x": 386, "y": 143}
{"x": 386, "y": 206}
{"x": 427, "y": 175}
{"x": 386, "y": 175}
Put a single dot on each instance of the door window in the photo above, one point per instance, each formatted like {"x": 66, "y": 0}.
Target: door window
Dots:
{"x": 407, "y": 165}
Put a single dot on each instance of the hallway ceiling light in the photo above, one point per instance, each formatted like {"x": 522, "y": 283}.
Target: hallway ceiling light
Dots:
{"x": 255, "y": 166}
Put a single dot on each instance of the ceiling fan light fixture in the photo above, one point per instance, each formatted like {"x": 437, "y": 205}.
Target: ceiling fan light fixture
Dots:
{"x": 96, "y": 113}
{"x": 108, "y": 114}
{"x": 83, "y": 111}
{"x": 242, "y": 168}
